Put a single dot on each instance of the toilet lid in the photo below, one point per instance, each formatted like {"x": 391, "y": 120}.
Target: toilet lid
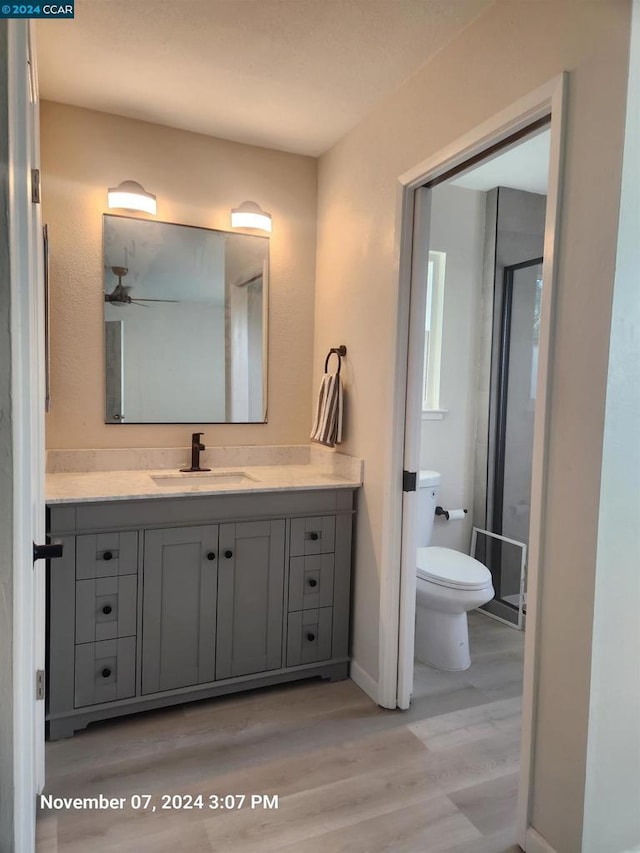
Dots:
{"x": 451, "y": 568}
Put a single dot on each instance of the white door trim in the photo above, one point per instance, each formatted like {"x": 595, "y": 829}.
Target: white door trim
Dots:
{"x": 396, "y": 622}
{"x": 388, "y": 635}
{"x": 37, "y": 395}
{"x": 23, "y": 770}
{"x": 27, "y": 409}
{"x": 413, "y": 434}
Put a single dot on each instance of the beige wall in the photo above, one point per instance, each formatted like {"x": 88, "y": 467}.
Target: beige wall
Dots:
{"x": 512, "y": 49}
{"x": 197, "y": 180}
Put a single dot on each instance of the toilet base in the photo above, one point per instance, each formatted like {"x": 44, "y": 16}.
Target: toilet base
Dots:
{"x": 442, "y": 639}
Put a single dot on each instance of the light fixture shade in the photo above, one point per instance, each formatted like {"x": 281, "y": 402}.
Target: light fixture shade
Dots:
{"x": 250, "y": 215}
{"x": 130, "y": 195}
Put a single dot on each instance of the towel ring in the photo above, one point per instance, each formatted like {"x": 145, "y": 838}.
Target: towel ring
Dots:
{"x": 339, "y": 351}
{"x": 326, "y": 361}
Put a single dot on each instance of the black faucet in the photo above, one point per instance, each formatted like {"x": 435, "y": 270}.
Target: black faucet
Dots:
{"x": 196, "y": 447}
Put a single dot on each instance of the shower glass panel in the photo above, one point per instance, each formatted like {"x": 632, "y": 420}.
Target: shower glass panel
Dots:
{"x": 518, "y": 370}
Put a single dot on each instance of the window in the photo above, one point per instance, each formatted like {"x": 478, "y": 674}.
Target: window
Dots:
{"x": 433, "y": 332}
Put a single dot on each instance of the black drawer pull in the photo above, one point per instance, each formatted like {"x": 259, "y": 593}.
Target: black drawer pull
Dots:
{"x": 314, "y": 536}
{"x": 107, "y": 555}
{"x": 313, "y": 582}
{"x": 106, "y": 672}
{"x": 211, "y": 556}
{"x": 228, "y": 554}
{"x": 106, "y": 609}
{"x": 311, "y": 637}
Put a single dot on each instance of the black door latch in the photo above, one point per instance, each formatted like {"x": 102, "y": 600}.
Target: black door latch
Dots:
{"x": 47, "y": 552}
{"x": 409, "y": 479}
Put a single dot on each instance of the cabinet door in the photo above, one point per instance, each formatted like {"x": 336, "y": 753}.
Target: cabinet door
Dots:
{"x": 250, "y": 598}
{"x": 179, "y": 607}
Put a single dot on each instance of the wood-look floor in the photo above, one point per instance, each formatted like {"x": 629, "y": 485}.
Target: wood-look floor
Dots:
{"x": 349, "y": 775}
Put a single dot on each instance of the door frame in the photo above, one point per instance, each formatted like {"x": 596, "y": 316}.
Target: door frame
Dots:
{"x": 397, "y": 604}
{"x": 26, "y": 619}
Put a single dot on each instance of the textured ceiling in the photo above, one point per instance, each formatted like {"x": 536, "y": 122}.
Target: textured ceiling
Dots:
{"x": 287, "y": 74}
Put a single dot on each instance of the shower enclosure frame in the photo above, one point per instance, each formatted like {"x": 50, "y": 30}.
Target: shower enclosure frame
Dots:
{"x": 503, "y": 389}
{"x": 499, "y": 607}
{"x": 520, "y": 623}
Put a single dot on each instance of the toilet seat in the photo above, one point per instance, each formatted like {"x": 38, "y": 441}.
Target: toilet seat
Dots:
{"x": 446, "y": 567}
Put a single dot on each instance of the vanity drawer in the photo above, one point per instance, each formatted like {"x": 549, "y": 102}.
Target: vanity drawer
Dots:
{"x": 106, "y": 608}
{"x": 105, "y": 671}
{"x": 309, "y": 636}
{"x": 312, "y": 535}
{"x": 311, "y": 582}
{"x": 104, "y": 555}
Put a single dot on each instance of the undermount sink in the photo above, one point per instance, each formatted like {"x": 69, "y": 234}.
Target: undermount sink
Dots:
{"x": 210, "y": 478}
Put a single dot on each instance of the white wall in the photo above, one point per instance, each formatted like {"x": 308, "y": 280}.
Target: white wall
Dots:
{"x": 612, "y": 797}
{"x": 503, "y": 55}
{"x": 448, "y": 445}
{"x": 183, "y": 381}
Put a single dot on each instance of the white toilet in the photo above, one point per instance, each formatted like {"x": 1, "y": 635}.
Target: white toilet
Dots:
{"x": 449, "y": 584}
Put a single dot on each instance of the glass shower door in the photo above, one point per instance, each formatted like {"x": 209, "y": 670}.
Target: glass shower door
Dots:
{"x": 518, "y": 372}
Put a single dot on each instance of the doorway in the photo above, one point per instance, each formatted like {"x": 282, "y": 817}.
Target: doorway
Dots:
{"x": 476, "y": 432}
{"x": 542, "y": 107}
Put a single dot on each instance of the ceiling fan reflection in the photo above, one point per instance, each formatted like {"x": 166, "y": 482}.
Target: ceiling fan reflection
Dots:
{"x": 121, "y": 292}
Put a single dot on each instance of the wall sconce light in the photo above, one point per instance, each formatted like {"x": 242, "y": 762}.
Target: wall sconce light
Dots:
{"x": 130, "y": 195}
{"x": 250, "y": 215}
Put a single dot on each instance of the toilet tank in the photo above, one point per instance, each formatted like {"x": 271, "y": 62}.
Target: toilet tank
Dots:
{"x": 428, "y": 486}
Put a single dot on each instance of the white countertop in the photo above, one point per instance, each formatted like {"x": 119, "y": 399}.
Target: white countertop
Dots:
{"x": 78, "y": 487}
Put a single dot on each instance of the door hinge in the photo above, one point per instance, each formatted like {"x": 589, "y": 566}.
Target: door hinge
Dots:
{"x": 40, "y": 682}
{"x": 409, "y": 479}
{"x": 35, "y": 186}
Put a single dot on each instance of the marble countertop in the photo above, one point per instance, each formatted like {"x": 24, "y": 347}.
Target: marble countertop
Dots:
{"x": 86, "y": 486}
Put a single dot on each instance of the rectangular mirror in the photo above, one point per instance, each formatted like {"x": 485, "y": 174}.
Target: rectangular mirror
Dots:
{"x": 185, "y": 316}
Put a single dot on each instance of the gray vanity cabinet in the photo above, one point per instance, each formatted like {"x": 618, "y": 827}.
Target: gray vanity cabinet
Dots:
{"x": 180, "y": 581}
{"x": 212, "y": 603}
{"x": 250, "y": 598}
{"x": 161, "y": 601}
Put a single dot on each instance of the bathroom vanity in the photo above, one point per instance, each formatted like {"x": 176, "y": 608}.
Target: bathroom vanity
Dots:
{"x": 162, "y": 597}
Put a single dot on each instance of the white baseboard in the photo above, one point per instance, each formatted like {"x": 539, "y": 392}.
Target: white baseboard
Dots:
{"x": 364, "y": 681}
{"x": 536, "y": 843}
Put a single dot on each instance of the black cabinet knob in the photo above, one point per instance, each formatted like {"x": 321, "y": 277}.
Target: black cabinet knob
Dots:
{"x": 314, "y": 536}
{"x": 228, "y": 554}
{"x": 313, "y": 582}
{"x": 106, "y": 672}
{"x": 211, "y": 556}
{"x": 311, "y": 637}
{"x": 107, "y": 555}
{"x": 106, "y": 609}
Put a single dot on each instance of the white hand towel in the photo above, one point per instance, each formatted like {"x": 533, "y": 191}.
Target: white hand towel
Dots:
{"x": 327, "y": 428}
